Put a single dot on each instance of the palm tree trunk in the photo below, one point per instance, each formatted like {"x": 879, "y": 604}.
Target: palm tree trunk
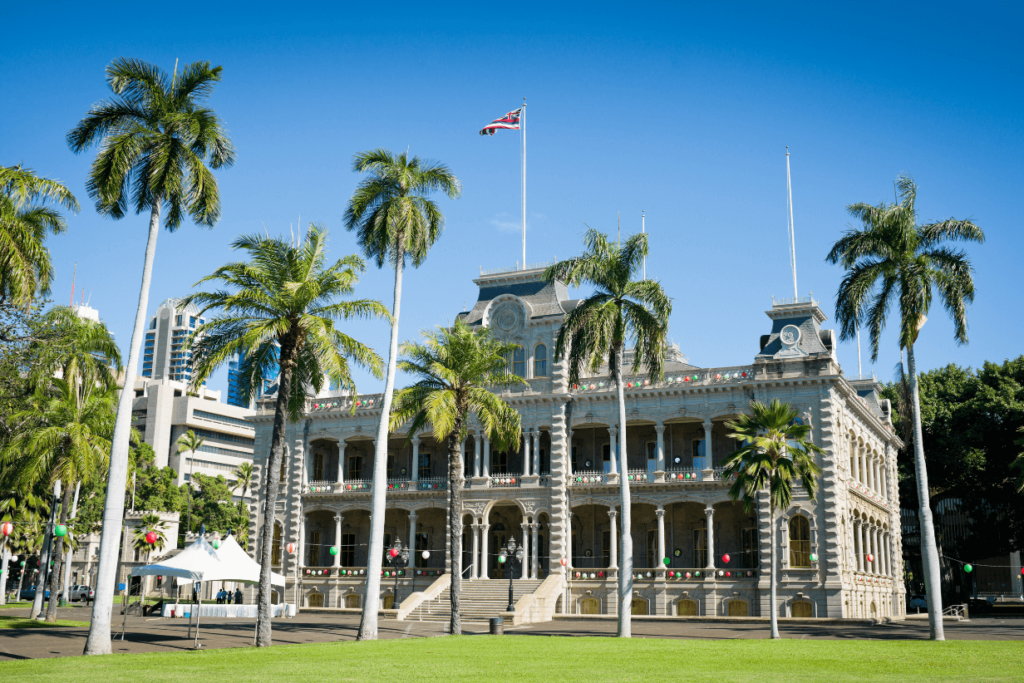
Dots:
{"x": 98, "y": 642}
{"x": 929, "y": 550}
{"x": 44, "y": 557}
{"x": 625, "y": 628}
{"x": 58, "y": 559}
{"x": 455, "y": 474}
{"x": 773, "y": 603}
{"x": 371, "y": 599}
{"x": 5, "y": 560}
{"x": 273, "y": 480}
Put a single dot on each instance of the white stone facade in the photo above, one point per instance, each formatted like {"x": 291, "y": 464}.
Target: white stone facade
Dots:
{"x": 559, "y": 492}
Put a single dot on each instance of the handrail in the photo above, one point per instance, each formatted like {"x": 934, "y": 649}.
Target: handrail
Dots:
{"x": 471, "y": 565}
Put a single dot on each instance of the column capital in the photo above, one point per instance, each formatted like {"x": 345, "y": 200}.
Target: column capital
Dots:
{"x": 339, "y": 518}
{"x": 613, "y": 513}
{"x": 709, "y": 510}
{"x": 413, "y": 516}
{"x": 707, "y": 422}
{"x": 660, "y": 512}
{"x": 485, "y": 527}
{"x": 659, "y": 428}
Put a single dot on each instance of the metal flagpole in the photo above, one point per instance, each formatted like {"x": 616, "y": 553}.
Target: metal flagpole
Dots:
{"x": 792, "y": 235}
{"x": 522, "y": 128}
{"x": 860, "y": 372}
{"x": 643, "y": 229}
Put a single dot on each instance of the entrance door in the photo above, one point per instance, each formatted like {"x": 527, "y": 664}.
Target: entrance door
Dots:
{"x": 389, "y": 602}
{"x": 802, "y": 609}
{"x": 590, "y": 606}
{"x": 737, "y": 608}
{"x": 639, "y": 607}
{"x": 686, "y": 608}
{"x": 316, "y": 599}
{"x": 498, "y": 540}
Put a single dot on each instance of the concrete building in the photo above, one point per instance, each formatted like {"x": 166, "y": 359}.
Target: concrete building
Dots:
{"x": 235, "y": 396}
{"x": 557, "y": 495}
{"x": 164, "y": 355}
{"x": 164, "y": 410}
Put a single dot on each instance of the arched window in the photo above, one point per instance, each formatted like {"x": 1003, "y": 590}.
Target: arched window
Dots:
{"x": 540, "y": 361}
{"x": 275, "y": 551}
{"x": 519, "y": 362}
{"x": 799, "y": 542}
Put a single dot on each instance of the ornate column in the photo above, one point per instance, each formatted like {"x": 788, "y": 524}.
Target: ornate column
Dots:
{"x": 613, "y": 516}
{"x": 876, "y": 565}
{"x": 660, "y": 512}
{"x": 462, "y": 454}
{"x": 862, "y": 464}
{"x": 338, "y": 519}
{"x": 484, "y": 555}
{"x": 864, "y": 547}
{"x": 487, "y": 457}
{"x": 613, "y": 450}
{"x": 568, "y": 449}
{"x": 536, "y": 451}
{"x": 341, "y": 462}
{"x": 476, "y": 454}
{"x": 412, "y": 542}
{"x": 526, "y": 453}
{"x": 856, "y": 546}
{"x": 524, "y": 572}
{"x": 709, "y": 455}
{"x": 709, "y": 512}
{"x": 415, "y": 474}
{"x": 660, "y": 429}
{"x": 476, "y": 550}
{"x": 535, "y": 550}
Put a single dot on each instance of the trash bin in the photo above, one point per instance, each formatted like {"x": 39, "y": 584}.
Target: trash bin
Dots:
{"x": 497, "y": 626}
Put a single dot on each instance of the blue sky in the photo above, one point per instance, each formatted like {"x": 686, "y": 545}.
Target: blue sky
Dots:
{"x": 681, "y": 110}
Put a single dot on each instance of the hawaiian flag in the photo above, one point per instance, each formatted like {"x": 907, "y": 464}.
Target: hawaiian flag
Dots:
{"x": 509, "y": 121}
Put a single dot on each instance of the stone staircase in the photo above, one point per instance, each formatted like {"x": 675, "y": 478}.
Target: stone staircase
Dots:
{"x": 481, "y": 600}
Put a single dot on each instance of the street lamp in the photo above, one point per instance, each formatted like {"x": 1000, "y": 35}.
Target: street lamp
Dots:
{"x": 511, "y": 557}
{"x": 398, "y": 558}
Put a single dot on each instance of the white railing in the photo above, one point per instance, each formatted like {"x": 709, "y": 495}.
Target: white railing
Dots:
{"x": 703, "y": 377}
{"x": 682, "y": 474}
{"x": 588, "y": 479}
{"x": 516, "y": 268}
{"x": 639, "y": 476}
{"x": 797, "y": 300}
{"x": 320, "y": 487}
{"x": 402, "y": 484}
{"x": 431, "y": 484}
{"x": 356, "y": 485}
{"x": 505, "y": 481}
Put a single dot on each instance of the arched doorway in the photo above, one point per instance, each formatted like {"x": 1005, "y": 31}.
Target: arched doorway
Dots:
{"x": 505, "y": 520}
{"x": 801, "y": 609}
{"x": 738, "y": 608}
{"x": 686, "y": 608}
{"x": 388, "y": 602}
{"x": 590, "y": 606}
{"x": 316, "y": 599}
{"x": 353, "y": 601}
{"x": 639, "y": 607}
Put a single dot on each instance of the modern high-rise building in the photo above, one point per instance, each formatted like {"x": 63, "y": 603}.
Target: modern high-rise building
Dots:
{"x": 164, "y": 355}
{"x": 235, "y": 395}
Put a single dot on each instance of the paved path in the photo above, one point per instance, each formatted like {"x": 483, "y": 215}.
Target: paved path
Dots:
{"x": 154, "y": 634}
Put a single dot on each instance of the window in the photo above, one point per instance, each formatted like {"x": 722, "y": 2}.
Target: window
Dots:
{"x": 499, "y": 462}
{"x": 540, "y": 361}
{"x": 275, "y": 551}
{"x": 606, "y": 456}
{"x": 177, "y": 320}
{"x": 519, "y": 362}
{"x": 606, "y": 548}
{"x": 700, "y": 548}
{"x": 698, "y": 454}
{"x": 313, "y": 554}
{"x": 318, "y": 467}
{"x": 348, "y": 550}
{"x": 192, "y": 321}
{"x": 391, "y": 466}
{"x": 283, "y": 461}
{"x": 424, "y": 466}
{"x": 421, "y": 545}
{"x": 355, "y": 466}
{"x": 202, "y": 414}
{"x": 652, "y": 455}
{"x": 750, "y": 549}
{"x": 799, "y": 542}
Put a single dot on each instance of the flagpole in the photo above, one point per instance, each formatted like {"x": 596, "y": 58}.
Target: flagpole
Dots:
{"x": 522, "y": 127}
{"x": 792, "y": 234}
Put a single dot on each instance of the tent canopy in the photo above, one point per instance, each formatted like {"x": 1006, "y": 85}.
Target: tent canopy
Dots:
{"x": 236, "y": 565}
{"x": 195, "y": 563}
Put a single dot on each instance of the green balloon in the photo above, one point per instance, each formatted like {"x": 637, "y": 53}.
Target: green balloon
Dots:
{"x": 60, "y": 530}
{"x": 666, "y": 561}
{"x": 814, "y": 557}
{"x": 334, "y": 550}
{"x": 968, "y": 568}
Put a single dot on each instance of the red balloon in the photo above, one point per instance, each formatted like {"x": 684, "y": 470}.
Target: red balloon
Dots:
{"x": 151, "y": 537}
{"x": 871, "y": 558}
{"x": 393, "y": 553}
{"x": 290, "y": 548}
{"x": 564, "y": 562}
{"x": 725, "y": 558}
{"x": 6, "y": 528}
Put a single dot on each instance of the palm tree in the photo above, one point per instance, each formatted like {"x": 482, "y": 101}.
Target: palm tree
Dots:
{"x": 394, "y": 221}
{"x": 891, "y": 258}
{"x": 189, "y": 442}
{"x": 84, "y": 346}
{"x": 243, "y": 478}
{"x": 456, "y": 368}
{"x": 776, "y": 449}
{"x": 596, "y": 333}
{"x": 149, "y": 522}
{"x": 66, "y": 439}
{"x": 282, "y": 315}
{"x": 27, "y": 214}
{"x": 155, "y": 140}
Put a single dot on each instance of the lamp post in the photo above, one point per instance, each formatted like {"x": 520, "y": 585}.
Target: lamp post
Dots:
{"x": 511, "y": 557}
{"x": 398, "y": 558}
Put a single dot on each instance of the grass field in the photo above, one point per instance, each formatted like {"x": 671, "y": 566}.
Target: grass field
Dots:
{"x": 16, "y": 605}
{"x": 22, "y": 622}
{"x": 511, "y": 659}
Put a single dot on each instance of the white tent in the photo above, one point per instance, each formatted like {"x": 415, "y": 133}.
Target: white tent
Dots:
{"x": 195, "y": 563}
{"x": 235, "y": 565}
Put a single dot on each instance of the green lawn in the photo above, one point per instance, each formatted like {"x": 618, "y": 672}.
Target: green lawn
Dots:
{"x": 22, "y": 622}
{"x": 511, "y": 659}
{"x": 16, "y": 605}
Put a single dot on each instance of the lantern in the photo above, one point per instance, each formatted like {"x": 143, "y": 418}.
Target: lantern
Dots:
{"x": 290, "y": 548}
{"x": 334, "y": 550}
{"x": 814, "y": 557}
{"x": 725, "y": 558}
{"x": 564, "y": 562}
{"x": 216, "y": 543}
{"x": 687, "y": 574}
{"x": 151, "y": 537}
{"x": 425, "y": 554}
{"x": 968, "y": 568}
{"x": 696, "y": 573}
{"x": 6, "y": 528}
{"x": 871, "y": 558}
{"x": 60, "y": 530}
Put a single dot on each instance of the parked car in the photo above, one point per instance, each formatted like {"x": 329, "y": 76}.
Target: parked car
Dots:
{"x": 30, "y": 593}
{"x": 80, "y": 593}
{"x": 918, "y": 602}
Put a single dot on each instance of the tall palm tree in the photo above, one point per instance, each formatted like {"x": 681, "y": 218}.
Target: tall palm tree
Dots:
{"x": 27, "y": 213}
{"x": 456, "y": 369}
{"x": 889, "y": 259}
{"x": 83, "y": 346}
{"x": 67, "y": 439}
{"x": 189, "y": 442}
{"x": 243, "y": 478}
{"x": 395, "y": 222}
{"x": 282, "y": 314}
{"x": 776, "y": 449}
{"x": 156, "y": 139}
{"x": 595, "y": 333}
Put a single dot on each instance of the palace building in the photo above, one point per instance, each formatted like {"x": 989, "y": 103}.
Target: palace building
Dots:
{"x": 557, "y": 495}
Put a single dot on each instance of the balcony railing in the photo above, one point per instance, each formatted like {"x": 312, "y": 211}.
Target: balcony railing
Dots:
{"x": 502, "y": 481}
{"x": 703, "y": 377}
{"x": 639, "y": 476}
{"x": 431, "y": 484}
{"x": 401, "y": 485}
{"x": 588, "y": 479}
{"x": 683, "y": 474}
{"x": 356, "y": 485}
